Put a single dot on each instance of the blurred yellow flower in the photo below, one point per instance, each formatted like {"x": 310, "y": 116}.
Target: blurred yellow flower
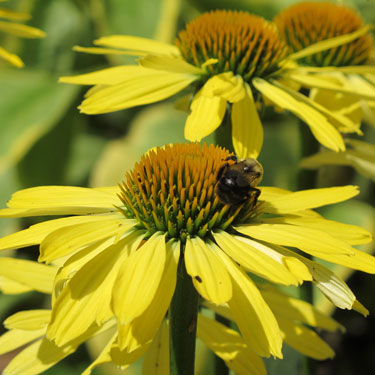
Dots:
{"x": 16, "y": 29}
{"x": 229, "y": 60}
{"x": 165, "y": 212}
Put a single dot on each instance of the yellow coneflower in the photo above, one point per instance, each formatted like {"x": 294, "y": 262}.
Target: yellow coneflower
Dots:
{"x": 166, "y": 216}
{"x": 228, "y": 60}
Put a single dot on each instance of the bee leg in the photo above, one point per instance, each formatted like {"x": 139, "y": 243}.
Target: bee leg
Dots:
{"x": 231, "y": 157}
{"x": 256, "y": 196}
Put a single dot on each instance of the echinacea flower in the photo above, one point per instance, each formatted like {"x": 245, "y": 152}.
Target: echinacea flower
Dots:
{"x": 341, "y": 78}
{"x": 17, "y": 29}
{"x": 29, "y": 328}
{"x": 120, "y": 251}
{"x": 228, "y": 60}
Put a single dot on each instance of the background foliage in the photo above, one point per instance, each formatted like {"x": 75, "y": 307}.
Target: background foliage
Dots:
{"x": 44, "y": 140}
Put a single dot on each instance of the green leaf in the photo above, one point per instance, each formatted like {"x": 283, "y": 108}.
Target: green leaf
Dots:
{"x": 33, "y": 104}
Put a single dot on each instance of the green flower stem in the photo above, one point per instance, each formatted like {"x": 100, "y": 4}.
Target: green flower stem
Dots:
{"x": 183, "y": 315}
{"x": 223, "y": 134}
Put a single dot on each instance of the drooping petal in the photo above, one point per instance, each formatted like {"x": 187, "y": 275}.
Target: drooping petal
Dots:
{"x": 136, "y": 43}
{"x": 305, "y": 340}
{"x": 105, "y": 51}
{"x": 320, "y": 126}
{"x": 312, "y": 241}
{"x": 321, "y": 83}
{"x": 143, "y": 328}
{"x": 86, "y": 298}
{"x": 156, "y": 359}
{"x": 67, "y": 240}
{"x": 247, "y": 129}
{"x": 229, "y": 346}
{"x": 103, "y": 357}
{"x": 251, "y": 313}
{"x": 268, "y": 265}
{"x": 207, "y": 113}
{"x": 208, "y": 272}
{"x": 9, "y": 286}
{"x": 291, "y": 308}
{"x": 59, "y": 200}
{"x": 312, "y": 198}
{"x": 131, "y": 283}
{"x": 31, "y": 274}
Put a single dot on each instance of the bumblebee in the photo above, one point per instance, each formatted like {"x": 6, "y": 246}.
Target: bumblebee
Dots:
{"x": 237, "y": 182}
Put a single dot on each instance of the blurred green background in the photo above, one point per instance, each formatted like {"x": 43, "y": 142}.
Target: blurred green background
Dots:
{"x": 44, "y": 140}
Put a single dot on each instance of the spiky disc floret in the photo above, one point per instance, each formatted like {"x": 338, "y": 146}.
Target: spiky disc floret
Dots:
{"x": 242, "y": 43}
{"x": 172, "y": 190}
{"x": 307, "y": 23}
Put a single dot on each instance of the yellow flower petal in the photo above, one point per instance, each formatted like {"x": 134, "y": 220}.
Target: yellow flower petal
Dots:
{"x": 103, "y": 357}
{"x": 59, "y": 200}
{"x": 22, "y": 31}
{"x": 227, "y": 86}
{"x": 17, "y": 338}
{"x": 305, "y": 340}
{"x": 247, "y": 129}
{"x": 229, "y": 346}
{"x": 312, "y": 198}
{"x": 131, "y": 283}
{"x": 290, "y": 308}
{"x": 351, "y": 234}
{"x": 104, "y": 51}
{"x": 206, "y": 115}
{"x": 156, "y": 359}
{"x": 151, "y": 87}
{"x": 36, "y": 276}
{"x": 9, "y": 286}
{"x": 67, "y": 240}
{"x": 330, "y": 43}
{"x": 37, "y": 233}
{"x": 256, "y": 258}
{"x": 208, "y": 272}
{"x": 29, "y": 320}
{"x": 138, "y": 44}
{"x": 144, "y": 327}
{"x": 109, "y": 76}
{"x": 37, "y": 357}
{"x": 355, "y": 69}
{"x": 11, "y": 58}
{"x": 343, "y": 123}
{"x": 322, "y": 129}
{"x": 322, "y": 83}
{"x": 311, "y": 241}
{"x": 86, "y": 298}
{"x": 357, "y": 306}
{"x": 12, "y": 15}
{"x": 169, "y": 63}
